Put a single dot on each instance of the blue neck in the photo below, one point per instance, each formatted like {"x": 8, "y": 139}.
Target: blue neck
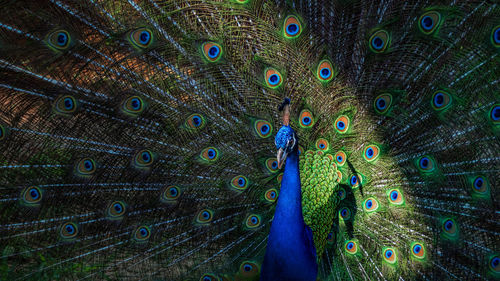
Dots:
{"x": 290, "y": 253}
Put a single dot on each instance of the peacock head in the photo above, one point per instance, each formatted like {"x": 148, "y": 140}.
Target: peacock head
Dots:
{"x": 286, "y": 139}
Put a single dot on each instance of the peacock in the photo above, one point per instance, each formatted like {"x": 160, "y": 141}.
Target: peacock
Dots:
{"x": 249, "y": 140}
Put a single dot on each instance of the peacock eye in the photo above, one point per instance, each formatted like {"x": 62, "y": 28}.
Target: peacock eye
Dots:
{"x": 292, "y": 27}
{"x": 272, "y": 165}
{"x": 212, "y": 51}
{"x": 31, "y": 195}
{"x": 195, "y": 121}
{"x": 389, "y": 255}
{"x": 273, "y": 78}
{"x": 325, "y": 71}
{"x": 495, "y": 114}
{"x": 249, "y": 269}
{"x": 141, "y": 38}
{"x": 116, "y": 209}
{"x": 271, "y": 195}
{"x": 85, "y": 167}
{"x": 306, "y": 119}
{"x": 263, "y": 128}
{"x": 371, "y": 152}
{"x": 495, "y": 36}
{"x": 204, "y": 216}
{"x": 143, "y": 158}
{"x": 210, "y": 154}
{"x": 418, "y": 250}
{"x": 239, "y": 183}
{"x": 383, "y": 103}
{"x": 142, "y": 233}
{"x": 59, "y": 40}
{"x": 441, "y": 100}
{"x": 370, "y": 205}
{"x": 429, "y": 22}
{"x": 133, "y": 105}
{"x": 322, "y": 144}
{"x": 171, "y": 193}
{"x": 65, "y": 105}
{"x": 340, "y": 158}
{"x": 379, "y": 41}
{"x": 345, "y": 213}
{"x": 395, "y": 197}
{"x": 425, "y": 164}
{"x": 342, "y": 124}
{"x": 252, "y": 221}
{"x": 351, "y": 247}
{"x": 68, "y": 230}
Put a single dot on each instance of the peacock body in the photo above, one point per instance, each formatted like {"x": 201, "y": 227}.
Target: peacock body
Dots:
{"x": 139, "y": 140}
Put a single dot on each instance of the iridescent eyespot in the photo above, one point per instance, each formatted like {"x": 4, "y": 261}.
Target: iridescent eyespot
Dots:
{"x": 494, "y": 264}
{"x": 31, "y": 195}
{"x": 425, "y": 164}
{"x": 370, "y": 205}
{"x": 325, "y": 71}
{"x": 171, "y": 193}
{"x": 209, "y": 277}
{"x": 142, "y": 233}
{"x": 249, "y": 269}
{"x": 371, "y": 153}
{"x": 429, "y": 21}
{"x": 239, "y": 183}
{"x": 355, "y": 180}
{"x": 212, "y": 51}
{"x": 252, "y": 221}
{"x": 273, "y": 78}
{"x": 340, "y": 158}
{"x": 341, "y": 194}
{"x": 495, "y": 36}
{"x": 85, "y": 167}
{"x": 342, "y": 124}
{"x": 116, "y": 209}
{"x": 495, "y": 114}
{"x": 383, "y": 103}
{"x": 351, "y": 247}
{"x": 418, "y": 250}
{"x": 450, "y": 229}
{"x": 204, "y": 216}
{"x": 195, "y": 121}
{"x": 141, "y": 38}
{"x": 440, "y": 100}
{"x": 322, "y": 144}
{"x": 65, "y": 105}
{"x": 133, "y": 105}
{"x": 330, "y": 238}
{"x": 3, "y": 132}
{"x": 389, "y": 255}
{"x": 292, "y": 27}
{"x": 210, "y": 154}
{"x": 306, "y": 119}
{"x": 345, "y": 214}
{"x": 379, "y": 41}
{"x": 143, "y": 158}
{"x": 395, "y": 197}
{"x": 480, "y": 185}
{"x": 68, "y": 230}
{"x": 263, "y": 128}
{"x": 271, "y": 195}
{"x": 59, "y": 40}
{"x": 272, "y": 165}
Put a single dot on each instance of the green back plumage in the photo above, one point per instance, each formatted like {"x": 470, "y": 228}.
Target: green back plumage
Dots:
{"x": 137, "y": 137}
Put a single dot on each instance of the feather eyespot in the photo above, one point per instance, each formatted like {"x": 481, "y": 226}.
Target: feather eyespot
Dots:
{"x": 31, "y": 195}
{"x": 204, "y": 216}
{"x": 345, "y": 213}
{"x": 340, "y": 158}
{"x": 429, "y": 22}
{"x": 418, "y": 250}
{"x": 371, "y": 152}
{"x": 143, "y": 158}
{"x": 450, "y": 229}
{"x": 133, "y": 105}
{"x": 306, "y": 119}
{"x": 3, "y": 132}
{"x": 141, "y": 37}
{"x": 494, "y": 264}
{"x": 395, "y": 197}
{"x": 171, "y": 193}
{"x": 379, "y": 41}
{"x": 212, "y": 51}
{"x": 480, "y": 185}
{"x": 272, "y": 165}
{"x": 85, "y": 167}
{"x": 263, "y": 128}
{"x": 292, "y": 27}
{"x": 495, "y": 114}
{"x": 351, "y": 247}
{"x": 355, "y": 180}
{"x": 273, "y": 78}
{"x": 239, "y": 183}
{"x": 142, "y": 233}
{"x": 249, "y": 269}
{"x": 116, "y": 209}
{"x": 325, "y": 71}
{"x": 65, "y": 105}
{"x": 383, "y": 103}
{"x": 195, "y": 121}
{"x": 370, "y": 205}
{"x": 210, "y": 154}
{"x": 252, "y": 221}
{"x": 495, "y": 36}
{"x": 209, "y": 277}
{"x": 271, "y": 195}
{"x": 322, "y": 144}
{"x": 389, "y": 255}
{"x": 425, "y": 164}
{"x": 440, "y": 100}
{"x": 330, "y": 238}
{"x": 342, "y": 124}
{"x": 341, "y": 194}
{"x": 68, "y": 230}
{"x": 59, "y": 40}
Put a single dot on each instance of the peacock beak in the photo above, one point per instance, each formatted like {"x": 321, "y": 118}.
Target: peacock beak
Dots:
{"x": 281, "y": 157}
